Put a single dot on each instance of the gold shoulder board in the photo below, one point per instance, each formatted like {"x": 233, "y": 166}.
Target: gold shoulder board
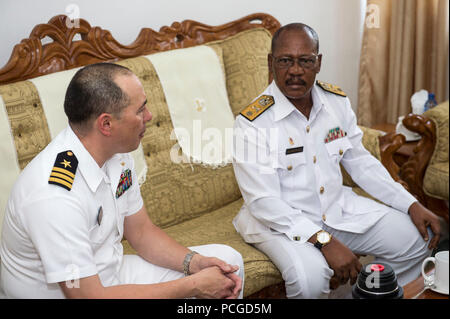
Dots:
{"x": 64, "y": 169}
{"x": 255, "y": 109}
{"x": 331, "y": 88}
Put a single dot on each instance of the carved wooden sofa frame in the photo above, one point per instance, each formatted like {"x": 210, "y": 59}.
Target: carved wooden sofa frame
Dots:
{"x": 31, "y": 58}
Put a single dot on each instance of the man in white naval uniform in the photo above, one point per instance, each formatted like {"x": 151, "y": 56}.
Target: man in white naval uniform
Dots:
{"x": 74, "y": 202}
{"x": 288, "y": 146}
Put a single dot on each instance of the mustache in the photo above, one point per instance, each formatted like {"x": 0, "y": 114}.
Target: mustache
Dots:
{"x": 295, "y": 80}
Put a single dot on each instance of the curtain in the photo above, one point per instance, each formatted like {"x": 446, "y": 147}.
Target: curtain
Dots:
{"x": 404, "y": 50}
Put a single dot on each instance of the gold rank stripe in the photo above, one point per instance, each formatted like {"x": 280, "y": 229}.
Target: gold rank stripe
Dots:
{"x": 62, "y": 176}
{"x": 60, "y": 181}
{"x": 64, "y": 171}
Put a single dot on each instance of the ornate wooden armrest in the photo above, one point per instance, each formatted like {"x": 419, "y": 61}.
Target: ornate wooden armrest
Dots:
{"x": 413, "y": 171}
{"x": 389, "y": 144}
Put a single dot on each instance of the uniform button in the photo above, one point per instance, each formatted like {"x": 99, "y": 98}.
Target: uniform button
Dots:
{"x": 289, "y": 167}
{"x": 307, "y": 129}
{"x": 322, "y": 189}
{"x": 297, "y": 238}
{"x": 341, "y": 152}
{"x": 314, "y": 159}
{"x": 324, "y": 218}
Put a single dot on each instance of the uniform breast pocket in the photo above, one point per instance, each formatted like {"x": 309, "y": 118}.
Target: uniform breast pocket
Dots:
{"x": 337, "y": 148}
{"x": 290, "y": 165}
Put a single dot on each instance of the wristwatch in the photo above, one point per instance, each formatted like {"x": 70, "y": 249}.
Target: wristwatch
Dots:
{"x": 322, "y": 238}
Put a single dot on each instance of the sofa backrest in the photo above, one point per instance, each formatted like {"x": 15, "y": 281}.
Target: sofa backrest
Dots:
{"x": 435, "y": 180}
{"x": 439, "y": 115}
{"x": 172, "y": 192}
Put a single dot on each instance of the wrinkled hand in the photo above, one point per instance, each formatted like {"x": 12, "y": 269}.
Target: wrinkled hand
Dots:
{"x": 211, "y": 282}
{"x": 423, "y": 218}
{"x": 344, "y": 263}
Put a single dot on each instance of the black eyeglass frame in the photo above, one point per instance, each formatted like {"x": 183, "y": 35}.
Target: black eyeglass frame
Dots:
{"x": 306, "y": 61}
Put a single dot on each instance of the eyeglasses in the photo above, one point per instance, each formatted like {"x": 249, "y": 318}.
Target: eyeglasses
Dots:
{"x": 306, "y": 62}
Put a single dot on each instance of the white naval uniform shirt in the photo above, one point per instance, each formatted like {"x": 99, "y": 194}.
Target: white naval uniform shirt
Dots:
{"x": 51, "y": 234}
{"x": 294, "y": 193}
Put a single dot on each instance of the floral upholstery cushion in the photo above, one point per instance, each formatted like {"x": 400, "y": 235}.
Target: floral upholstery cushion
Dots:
{"x": 435, "y": 182}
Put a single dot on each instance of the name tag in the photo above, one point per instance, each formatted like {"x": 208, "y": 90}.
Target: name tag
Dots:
{"x": 294, "y": 150}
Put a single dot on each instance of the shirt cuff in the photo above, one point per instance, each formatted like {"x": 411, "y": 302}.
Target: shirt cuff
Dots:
{"x": 302, "y": 231}
{"x": 403, "y": 201}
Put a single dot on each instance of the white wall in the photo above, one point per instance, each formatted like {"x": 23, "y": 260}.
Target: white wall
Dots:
{"x": 338, "y": 23}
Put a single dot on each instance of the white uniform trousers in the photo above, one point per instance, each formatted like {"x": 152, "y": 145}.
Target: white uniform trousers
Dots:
{"x": 136, "y": 270}
{"x": 394, "y": 240}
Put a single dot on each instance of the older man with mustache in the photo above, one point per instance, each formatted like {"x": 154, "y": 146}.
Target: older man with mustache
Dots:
{"x": 288, "y": 146}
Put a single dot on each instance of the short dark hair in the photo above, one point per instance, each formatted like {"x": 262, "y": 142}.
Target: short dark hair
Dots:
{"x": 298, "y": 27}
{"x": 92, "y": 91}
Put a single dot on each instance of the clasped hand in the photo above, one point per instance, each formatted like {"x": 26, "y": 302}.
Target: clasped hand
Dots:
{"x": 217, "y": 279}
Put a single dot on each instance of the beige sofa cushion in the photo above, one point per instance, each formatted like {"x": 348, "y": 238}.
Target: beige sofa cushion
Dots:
{"x": 259, "y": 271}
{"x": 27, "y": 119}
{"x": 439, "y": 115}
{"x": 245, "y": 59}
{"x": 435, "y": 182}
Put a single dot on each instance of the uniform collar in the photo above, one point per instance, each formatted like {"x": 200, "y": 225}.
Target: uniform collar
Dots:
{"x": 87, "y": 166}
{"x": 318, "y": 102}
{"x": 284, "y": 107}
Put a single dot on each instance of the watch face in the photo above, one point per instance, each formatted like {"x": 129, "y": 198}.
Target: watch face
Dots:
{"x": 323, "y": 237}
